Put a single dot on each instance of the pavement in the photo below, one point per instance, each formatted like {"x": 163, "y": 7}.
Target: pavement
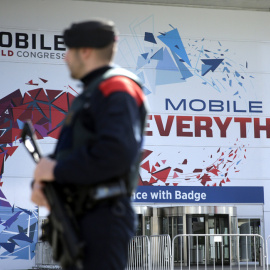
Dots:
{"x": 177, "y": 267}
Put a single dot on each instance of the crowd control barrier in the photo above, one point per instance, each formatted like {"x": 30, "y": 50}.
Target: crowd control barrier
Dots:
{"x": 234, "y": 251}
{"x": 160, "y": 252}
{"x": 139, "y": 253}
{"x": 44, "y": 255}
{"x": 186, "y": 251}
{"x": 267, "y": 251}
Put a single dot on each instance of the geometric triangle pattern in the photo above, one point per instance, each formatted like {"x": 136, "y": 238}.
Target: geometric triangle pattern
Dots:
{"x": 149, "y": 37}
{"x": 162, "y": 174}
{"x": 158, "y": 55}
{"x": 47, "y": 110}
{"x": 210, "y": 64}
{"x": 173, "y": 40}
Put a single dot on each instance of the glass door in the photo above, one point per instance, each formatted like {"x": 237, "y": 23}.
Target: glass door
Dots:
{"x": 196, "y": 244}
{"x": 219, "y": 247}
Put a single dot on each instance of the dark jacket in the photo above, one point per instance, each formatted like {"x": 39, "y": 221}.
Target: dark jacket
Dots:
{"x": 115, "y": 115}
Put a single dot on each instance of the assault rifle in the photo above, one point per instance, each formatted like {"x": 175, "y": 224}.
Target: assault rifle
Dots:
{"x": 61, "y": 230}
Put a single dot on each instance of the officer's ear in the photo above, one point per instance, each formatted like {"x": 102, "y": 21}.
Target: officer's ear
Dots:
{"x": 86, "y": 53}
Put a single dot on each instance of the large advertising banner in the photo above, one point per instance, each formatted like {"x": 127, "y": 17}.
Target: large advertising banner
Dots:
{"x": 206, "y": 78}
{"x": 207, "y": 113}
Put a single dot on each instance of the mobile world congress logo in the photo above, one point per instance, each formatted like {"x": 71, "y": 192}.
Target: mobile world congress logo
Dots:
{"x": 25, "y": 45}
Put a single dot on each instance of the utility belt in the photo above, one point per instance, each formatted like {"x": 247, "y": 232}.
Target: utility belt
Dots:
{"x": 84, "y": 198}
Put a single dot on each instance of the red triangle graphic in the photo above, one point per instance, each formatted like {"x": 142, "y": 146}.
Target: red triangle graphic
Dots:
{"x": 146, "y": 166}
{"x": 163, "y": 174}
{"x": 17, "y": 101}
{"x": 27, "y": 98}
{"x": 39, "y": 136}
{"x": 70, "y": 99}
{"x": 153, "y": 169}
{"x": 33, "y": 93}
{"x": 152, "y": 180}
{"x": 43, "y": 80}
{"x": 175, "y": 175}
{"x": 53, "y": 93}
{"x": 16, "y": 134}
{"x": 37, "y": 115}
{"x": 18, "y": 111}
{"x": 55, "y": 133}
{"x": 27, "y": 114}
{"x": 45, "y": 109}
{"x": 57, "y": 117}
{"x": 10, "y": 150}
{"x": 2, "y": 162}
{"x": 146, "y": 153}
{"x": 185, "y": 161}
{"x": 47, "y": 126}
{"x": 6, "y": 137}
{"x": 42, "y": 96}
{"x": 62, "y": 102}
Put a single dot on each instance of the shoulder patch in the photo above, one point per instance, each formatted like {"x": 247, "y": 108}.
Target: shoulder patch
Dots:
{"x": 122, "y": 84}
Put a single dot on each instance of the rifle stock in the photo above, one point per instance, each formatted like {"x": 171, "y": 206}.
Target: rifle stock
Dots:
{"x": 62, "y": 231}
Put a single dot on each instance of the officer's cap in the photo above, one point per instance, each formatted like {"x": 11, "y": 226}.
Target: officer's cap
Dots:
{"x": 94, "y": 34}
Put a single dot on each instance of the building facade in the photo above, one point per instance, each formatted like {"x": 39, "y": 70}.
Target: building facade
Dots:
{"x": 206, "y": 149}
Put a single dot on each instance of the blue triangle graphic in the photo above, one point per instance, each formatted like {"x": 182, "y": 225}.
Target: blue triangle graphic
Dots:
{"x": 167, "y": 63}
{"x": 8, "y": 246}
{"x": 20, "y": 124}
{"x": 205, "y": 69}
{"x": 168, "y": 77}
{"x": 141, "y": 62}
{"x": 149, "y": 37}
{"x": 173, "y": 40}
{"x": 141, "y": 76}
{"x": 146, "y": 91}
{"x": 144, "y": 55}
{"x": 184, "y": 71}
{"x": 158, "y": 55}
{"x": 210, "y": 64}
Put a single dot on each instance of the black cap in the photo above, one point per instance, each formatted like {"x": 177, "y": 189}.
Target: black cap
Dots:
{"x": 94, "y": 34}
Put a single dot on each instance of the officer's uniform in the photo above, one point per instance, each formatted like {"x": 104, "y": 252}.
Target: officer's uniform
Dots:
{"x": 98, "y": 148}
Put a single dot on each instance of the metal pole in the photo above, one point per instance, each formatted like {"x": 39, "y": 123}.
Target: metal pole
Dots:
{"x": 222, "y": 253}
{"x": 205, "y": 256}
{"x": 247, "y": 252}
{"x": 197, "y": 249}
{"x": 230, "y": 247}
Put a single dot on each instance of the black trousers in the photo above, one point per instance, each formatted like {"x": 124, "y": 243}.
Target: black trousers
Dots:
{"x": 107, "y": 230}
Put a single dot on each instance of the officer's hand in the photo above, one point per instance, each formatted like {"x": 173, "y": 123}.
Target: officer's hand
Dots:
{"x": 44, "y": 170}
{"x": 38, "y": 196}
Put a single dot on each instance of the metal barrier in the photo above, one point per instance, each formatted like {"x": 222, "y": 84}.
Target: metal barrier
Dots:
{"x": 185, "y": 251}
{"x": 266, "y": 252}
{"x": 44, "y": 254}
{"x": 139, "y": 253}
{"x": 231, "y": 249}
{"x": 160, "y": 252}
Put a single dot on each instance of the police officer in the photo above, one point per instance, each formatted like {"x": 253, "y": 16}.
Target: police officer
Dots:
{"x": 98, "y": 151}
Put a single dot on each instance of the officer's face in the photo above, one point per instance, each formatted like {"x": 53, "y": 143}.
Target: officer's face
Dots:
{"x": 75, "y": 63}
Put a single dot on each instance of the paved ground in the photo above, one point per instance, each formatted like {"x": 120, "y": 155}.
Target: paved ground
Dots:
{"x": 201, "y": 267}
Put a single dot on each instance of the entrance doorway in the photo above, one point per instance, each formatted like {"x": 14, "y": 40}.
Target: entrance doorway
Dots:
{"x": 219, "y": 224}
{"x": 217, "y": 250}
